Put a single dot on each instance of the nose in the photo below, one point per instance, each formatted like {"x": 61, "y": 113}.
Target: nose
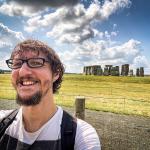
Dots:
{"x": 25, "y": 70}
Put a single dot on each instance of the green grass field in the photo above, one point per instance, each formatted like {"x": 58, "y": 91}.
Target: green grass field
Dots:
{"x": 125, "y": 95}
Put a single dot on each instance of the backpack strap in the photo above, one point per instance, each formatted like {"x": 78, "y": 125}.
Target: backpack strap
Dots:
{"x": 6, "y": 121}
{"x": 68, "y": 131}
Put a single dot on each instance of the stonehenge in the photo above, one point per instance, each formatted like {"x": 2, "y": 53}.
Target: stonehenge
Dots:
{"x": 110, "y": 70}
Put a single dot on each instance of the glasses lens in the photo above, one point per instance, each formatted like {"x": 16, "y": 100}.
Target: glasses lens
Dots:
{"x": 36, "y": 62}
{"x": 14, "y": 63}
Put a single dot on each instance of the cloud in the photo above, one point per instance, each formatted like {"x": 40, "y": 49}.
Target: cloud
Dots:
{"x": 111, "y": 7}
{"x": 14, "y": 9}
{"x": 126, "y": 51}
{"x": 31, "y": 8}
{"x": 8, "y": 39}
{"x": 74, "y": 24}
{"x": 45, "y": 3}
{"x": 34, "y": 23}
{"x": 3, "y": 64}
{"x": 142, "y": 60}
{"x": 70, "y": 35}
{"x": 104, "y": 53}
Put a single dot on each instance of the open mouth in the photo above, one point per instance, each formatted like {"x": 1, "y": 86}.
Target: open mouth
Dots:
{"x": 27, "y": 82}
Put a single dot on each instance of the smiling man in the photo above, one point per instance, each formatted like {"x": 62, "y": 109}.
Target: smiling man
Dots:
{"x": 39, "y": 124}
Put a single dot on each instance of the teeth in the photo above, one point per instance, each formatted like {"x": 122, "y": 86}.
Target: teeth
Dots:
{"x": 28, "y": 83}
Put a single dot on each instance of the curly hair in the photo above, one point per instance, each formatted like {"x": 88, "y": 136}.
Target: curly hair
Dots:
{"x": 37, "y": 46}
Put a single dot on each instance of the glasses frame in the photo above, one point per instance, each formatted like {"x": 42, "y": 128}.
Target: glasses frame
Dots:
{"x": 25, "y": 61}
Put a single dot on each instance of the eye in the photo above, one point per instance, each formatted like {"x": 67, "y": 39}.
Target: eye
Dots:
{"x": 36, "y": 62}
{"x": 16, "y": 63}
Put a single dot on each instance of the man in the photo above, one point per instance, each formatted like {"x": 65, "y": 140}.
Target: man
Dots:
{"x": 36, "y": 75}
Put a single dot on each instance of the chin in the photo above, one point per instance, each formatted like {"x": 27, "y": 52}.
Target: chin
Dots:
{"x": 29, "y": 100}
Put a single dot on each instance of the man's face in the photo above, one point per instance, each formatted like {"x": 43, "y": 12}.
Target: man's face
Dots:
{"x": 32, "y": 84}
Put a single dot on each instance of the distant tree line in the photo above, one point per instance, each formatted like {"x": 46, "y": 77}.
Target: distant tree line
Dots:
{"x": 1, "y": 71}
{"x": 4, "y": 71}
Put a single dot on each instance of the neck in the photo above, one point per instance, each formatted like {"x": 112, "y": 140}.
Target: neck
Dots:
{"x": 34, "y": 117}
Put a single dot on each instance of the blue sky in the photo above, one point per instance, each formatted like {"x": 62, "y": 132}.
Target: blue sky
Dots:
{"x": 85, "y": 32}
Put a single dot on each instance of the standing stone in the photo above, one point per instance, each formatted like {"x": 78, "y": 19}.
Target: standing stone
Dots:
{"x": 115, "y": 71}
{"x": 125, "y": 70}
{"x": 141, "y": 71}
{"x": 137, "y": 72}
{"x": 131, "y": 72}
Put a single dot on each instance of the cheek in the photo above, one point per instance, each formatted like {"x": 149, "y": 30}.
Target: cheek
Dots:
{"x": 47, "y": 81}
{"x": 14, "y": 76}
{"x": 48, "y": 84}
{"x": 47, "y": 78}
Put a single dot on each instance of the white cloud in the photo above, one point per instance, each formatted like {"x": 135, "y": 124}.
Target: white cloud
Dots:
{"x": 103, "y": 53}
{"x": 114, "y": 33}
{"x": 8, "y": 39}
{"x": 31, "y": 8}
{"x": 126, "y": 51}
{"x": 8, "y": 36}
{"x": 15, "y": 9}
{"x": 111, "y": 7}
{"x": 74, "y": 24}
{"x": 34, "y": 22}
{"x": 114, "y": 26}
{"x": 3, "y": 64}
{"x": 142, "y": 60}
{"x": 4, "y": 44}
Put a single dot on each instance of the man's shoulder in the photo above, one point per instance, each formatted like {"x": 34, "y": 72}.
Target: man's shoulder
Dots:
{"x": 83, "y": 124}
{"x": 86, "y": 136}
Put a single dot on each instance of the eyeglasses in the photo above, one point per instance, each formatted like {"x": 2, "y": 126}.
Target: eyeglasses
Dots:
{"x": 31, "y": 62}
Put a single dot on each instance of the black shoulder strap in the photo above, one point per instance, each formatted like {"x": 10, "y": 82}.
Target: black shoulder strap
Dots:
{"x": 68, "y": 131}
{"x": 6, "y": 121}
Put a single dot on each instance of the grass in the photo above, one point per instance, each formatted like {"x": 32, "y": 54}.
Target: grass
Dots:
{"x": 125, "y": 95}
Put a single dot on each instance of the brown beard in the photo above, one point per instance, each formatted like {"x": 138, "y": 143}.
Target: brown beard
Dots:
{"x": 35, "y": 98}
{"x": 29, "y": 101}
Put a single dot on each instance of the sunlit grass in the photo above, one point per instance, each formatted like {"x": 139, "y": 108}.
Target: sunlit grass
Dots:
{"x": 126, "y": 95}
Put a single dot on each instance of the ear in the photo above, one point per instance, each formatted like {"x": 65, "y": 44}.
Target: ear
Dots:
{"x": 55, "y": 77}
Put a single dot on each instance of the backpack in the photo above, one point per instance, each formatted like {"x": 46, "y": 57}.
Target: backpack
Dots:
{"x": 68, "y": 128}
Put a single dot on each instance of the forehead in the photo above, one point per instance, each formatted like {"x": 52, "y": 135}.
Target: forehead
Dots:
{"x": 22, "y": 54}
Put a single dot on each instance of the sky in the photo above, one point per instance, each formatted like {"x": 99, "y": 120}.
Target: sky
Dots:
{"x": 82, "y": 32}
